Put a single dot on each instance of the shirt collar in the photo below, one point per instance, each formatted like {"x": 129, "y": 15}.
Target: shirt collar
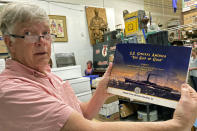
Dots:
{"x": 20, "y": 68}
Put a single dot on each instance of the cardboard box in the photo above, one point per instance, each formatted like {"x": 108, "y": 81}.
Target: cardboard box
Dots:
{"x": 111, "y": 99}
{"x": 109, "y": 109}
{"x": 113, "y": 117}
{"x": 123, "y": 98}
{"x": 126, "y": 109}
{"x": 110, "y": 106}
{"x": 143, "y": 115}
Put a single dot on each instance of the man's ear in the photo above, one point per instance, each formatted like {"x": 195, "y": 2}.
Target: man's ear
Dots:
{"x": 9, "y": 43}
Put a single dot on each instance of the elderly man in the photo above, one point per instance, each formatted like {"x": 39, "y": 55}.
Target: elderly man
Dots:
{"x": 34, "y": 99}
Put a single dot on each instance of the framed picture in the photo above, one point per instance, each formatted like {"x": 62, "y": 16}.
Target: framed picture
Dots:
{"x": 97, "y": 23}
{"x": 58, "y": 27}
{"x": 3, "y": 48}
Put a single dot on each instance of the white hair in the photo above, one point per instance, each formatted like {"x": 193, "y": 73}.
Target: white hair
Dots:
{"x": 14, "y": 13}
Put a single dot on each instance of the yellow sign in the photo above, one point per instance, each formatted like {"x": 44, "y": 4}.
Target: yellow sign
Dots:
{"x": 133, "y": 14}
{"x": 131, "y": 26}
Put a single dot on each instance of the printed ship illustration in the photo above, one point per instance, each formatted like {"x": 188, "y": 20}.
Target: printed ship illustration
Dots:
{"x": 146, "y": 88}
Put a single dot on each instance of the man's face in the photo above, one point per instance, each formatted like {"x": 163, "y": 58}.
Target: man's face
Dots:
{"x": 34, "y": 55}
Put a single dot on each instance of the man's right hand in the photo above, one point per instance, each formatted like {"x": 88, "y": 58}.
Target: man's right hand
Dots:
{"x": 186, "y": 110}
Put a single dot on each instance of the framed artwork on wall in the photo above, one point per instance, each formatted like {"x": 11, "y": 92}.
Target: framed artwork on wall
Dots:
{"x": 3, "y": 48}
{"x": 58, "y": 27}
{"x": 97, "y": 23}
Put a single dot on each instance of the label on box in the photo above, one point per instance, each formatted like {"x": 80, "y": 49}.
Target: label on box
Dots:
{"x": 131, "y": 26}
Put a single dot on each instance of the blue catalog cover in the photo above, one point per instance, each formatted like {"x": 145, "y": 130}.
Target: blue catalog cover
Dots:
{"x": 149, "y": 73}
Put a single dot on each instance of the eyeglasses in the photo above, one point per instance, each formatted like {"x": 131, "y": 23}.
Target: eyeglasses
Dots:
{"x": 35, "y": 38}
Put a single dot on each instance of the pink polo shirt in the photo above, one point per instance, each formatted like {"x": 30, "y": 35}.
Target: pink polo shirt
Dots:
{"x": 32, "y": 101}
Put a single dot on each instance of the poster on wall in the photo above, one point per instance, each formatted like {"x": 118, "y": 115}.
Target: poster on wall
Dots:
{"x": 3, "y": 48}
{"x": 58, "y": 27}
{"x": 97, "y": 23}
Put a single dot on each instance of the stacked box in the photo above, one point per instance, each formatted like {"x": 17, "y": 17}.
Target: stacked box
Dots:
{"x": 133, "y": 22}
{"x": 113, "y": 117}
{"x": 127, "y": 109}
{"x": 143, "y": 116}
{"x": 111, "y": 99}
{"x": 110, "y": 108}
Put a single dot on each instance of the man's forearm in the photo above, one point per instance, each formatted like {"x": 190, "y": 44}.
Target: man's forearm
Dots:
{"x": 92, "y": 108}
{"x": 170, "y": 125}
{"x": 86, "y": 125}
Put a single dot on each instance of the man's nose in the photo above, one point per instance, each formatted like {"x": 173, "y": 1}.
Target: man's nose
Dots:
{"x": 39, "y": 38}
{"x": 41, "y": 41}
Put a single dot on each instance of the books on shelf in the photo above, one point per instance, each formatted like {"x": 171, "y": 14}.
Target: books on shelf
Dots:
{"x": 149, "y": 73}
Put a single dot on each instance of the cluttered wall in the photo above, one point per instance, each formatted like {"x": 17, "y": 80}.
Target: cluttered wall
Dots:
{"x": 77, "y": 29}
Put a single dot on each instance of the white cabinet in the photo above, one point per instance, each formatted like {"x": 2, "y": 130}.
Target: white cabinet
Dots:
{"x": 84, "y": 97}
{"x": 69, "y": 72}
{"x": 80, "y": 85}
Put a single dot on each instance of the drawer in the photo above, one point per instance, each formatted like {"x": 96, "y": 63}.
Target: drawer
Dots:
{"x": 80, "y": 85}
{"x": 84, "y": 97}
{"x": 69, "y": 72}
